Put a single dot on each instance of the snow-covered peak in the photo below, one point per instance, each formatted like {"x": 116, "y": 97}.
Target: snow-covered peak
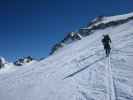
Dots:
{"x": 118, "y": 17}
{"x": 5, "y": 66}
{"x": 99, "y": 23}
{"x": 102, "y": 22}
{"x": 2, "y": 60}
{"x": 103, "y": 19}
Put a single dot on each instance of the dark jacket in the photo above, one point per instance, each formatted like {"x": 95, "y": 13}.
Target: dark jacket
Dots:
{"x": 106, "y": 42}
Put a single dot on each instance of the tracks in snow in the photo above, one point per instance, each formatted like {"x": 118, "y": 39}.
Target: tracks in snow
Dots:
{"x": 82, "y": 69}
{"x": 109, "y": 81}
{"x": 110, "y": 84}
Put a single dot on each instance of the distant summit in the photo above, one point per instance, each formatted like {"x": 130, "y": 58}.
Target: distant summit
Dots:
{"x": 23, "y": 61}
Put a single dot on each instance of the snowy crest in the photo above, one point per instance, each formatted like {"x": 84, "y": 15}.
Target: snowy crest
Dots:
{"x": 2, "y": 60}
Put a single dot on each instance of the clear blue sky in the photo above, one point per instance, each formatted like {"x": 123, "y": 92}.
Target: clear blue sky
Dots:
{"x": 31, "y": 27}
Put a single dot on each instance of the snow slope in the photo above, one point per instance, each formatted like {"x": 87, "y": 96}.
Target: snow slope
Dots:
{"x": 79, "y": 71}
{"x": 110, "y": 19}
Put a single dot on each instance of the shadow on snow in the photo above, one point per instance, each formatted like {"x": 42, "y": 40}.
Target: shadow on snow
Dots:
{"x": 82, "y": 69}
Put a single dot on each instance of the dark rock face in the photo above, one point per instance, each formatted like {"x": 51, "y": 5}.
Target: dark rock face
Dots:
{"x": 56, "y": 47}
{"x": 84, "y": 32}
{"x": 68, "y": 39}
{"x": 71, "y": 37}
{"x": 19, "y": 62}
{"x": 24, "y": 60}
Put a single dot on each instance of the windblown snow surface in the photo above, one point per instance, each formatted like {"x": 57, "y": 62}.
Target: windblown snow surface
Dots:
{"x": 79, "y": 71}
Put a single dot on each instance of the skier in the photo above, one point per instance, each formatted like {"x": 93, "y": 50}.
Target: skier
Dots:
{"x": 106, "y": 43}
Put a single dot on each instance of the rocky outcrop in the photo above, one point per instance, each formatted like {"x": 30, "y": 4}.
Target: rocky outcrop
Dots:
{"x": 56, "y": 47}
{"x": 22, "y": 61}
{"x": 71, "y": 37}
{"x": 96, "y": 20}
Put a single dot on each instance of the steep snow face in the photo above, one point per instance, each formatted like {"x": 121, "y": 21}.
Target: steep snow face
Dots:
{"x": 79, "y": 71}
{"x": 101, "y": 22}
